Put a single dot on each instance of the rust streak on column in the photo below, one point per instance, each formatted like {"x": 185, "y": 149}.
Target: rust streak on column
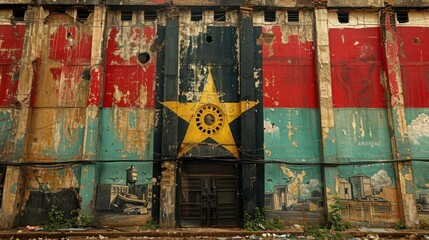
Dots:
{"x": 88, "y": 178}
{"x": 170, "y": 122}
{"x": 324, "y": 80}
{"x": 14, "y": 181}
{"x": 397, "y": 122}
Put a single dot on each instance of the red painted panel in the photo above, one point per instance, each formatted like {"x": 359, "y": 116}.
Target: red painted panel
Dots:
{"x": 414, "y": 60}
{"x": 95, "y": 85}
{"x": 288, "y": 71}
{"x": 128, "y": 82}
{"x": 356, "y": 63}
{"x": 69, "y": 86}
{"x": 11, "y": 43}
{"x": 71, "y": 45}
{"x": 59, "y": 79}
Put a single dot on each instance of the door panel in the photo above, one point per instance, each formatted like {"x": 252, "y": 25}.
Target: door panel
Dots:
{"x": 208, "y": 195}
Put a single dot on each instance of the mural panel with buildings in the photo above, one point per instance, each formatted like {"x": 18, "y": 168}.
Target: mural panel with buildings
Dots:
{"x": 193, "y": 113}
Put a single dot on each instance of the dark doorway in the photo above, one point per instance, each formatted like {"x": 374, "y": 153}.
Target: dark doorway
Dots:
{"x": 208, "y": 194}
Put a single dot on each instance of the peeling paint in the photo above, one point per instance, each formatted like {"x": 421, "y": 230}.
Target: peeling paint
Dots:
{"x": 418, "y": 129}
{"x": 58, "y": 125}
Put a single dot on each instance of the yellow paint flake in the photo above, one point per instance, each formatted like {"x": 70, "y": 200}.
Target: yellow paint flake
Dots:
{"x": 135, "y": 136}
{"x": 118, "y": 95}
{"x": 361, "y": 129}
{"x": 268, "y": 152}
{"x": 290, "y": 132}
{"x": 354, "y": 125}
{"x": 143, "y": 96}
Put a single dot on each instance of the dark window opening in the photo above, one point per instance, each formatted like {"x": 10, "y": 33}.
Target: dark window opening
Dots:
{"x": 143, "y": 57}
{"x": 209, "y": 39}
{"x": 416, "y": 40}
{"x": 86, "y": 74}
{"x": 18, "y": 14}
{"x": 219, "y": 16}
{"x": 82, "y": 14}
{"x": 346, "y": 190}
{"x": 270, "y": 16}
{"x": 59, "y": 10}
{"x": 293, "y": 16}
{"x": 402, "y": 16}
{"x": 196, "y": 15}
{"x": 150, "y": 15}
{"x": 343, "y": 17}
{"x": 126, "y": 16}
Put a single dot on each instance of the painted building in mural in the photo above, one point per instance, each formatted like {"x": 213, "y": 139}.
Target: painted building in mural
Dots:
{"x": 193, "y": 113}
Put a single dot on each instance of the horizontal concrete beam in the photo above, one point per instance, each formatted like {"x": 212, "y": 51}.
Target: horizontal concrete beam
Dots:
{"x": 283, "y": 3}
{"x": 356, "y": 3}
{"x": 256, "y": 3}
{"x": 15, "y": 1}
{"x": 208, "y": 2}
{"x": 69, "y": 2}
{"x": 408, "y": 3}
{"x": 136, "y": 2}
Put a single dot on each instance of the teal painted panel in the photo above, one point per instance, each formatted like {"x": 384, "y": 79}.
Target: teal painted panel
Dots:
{"x": 362, "y": 134}
{"x": 421, "y": 177}
{"x": 126, "y": 134}
{"x": 88, "y": 178}
{"x": 418, "y": 131}
{"x": 293, "y": 193}
{"x": 56, "y": 134}
{"x": 303, "y": 181}
{"x": 292, "y": 134}
{"x": 6, "y": 124}
{"x": 418, "y": 134}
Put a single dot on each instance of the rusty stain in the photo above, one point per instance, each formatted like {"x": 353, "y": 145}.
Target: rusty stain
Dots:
{"x": 60, "y": 104}
{"x": 296, "y": 179}
{"x": 135, "y": 136}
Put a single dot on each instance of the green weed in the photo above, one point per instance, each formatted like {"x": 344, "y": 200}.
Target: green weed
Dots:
{"x": 257, "y": 221}
{"x": 335, "y": 220}
{"x": 150, "y": 225}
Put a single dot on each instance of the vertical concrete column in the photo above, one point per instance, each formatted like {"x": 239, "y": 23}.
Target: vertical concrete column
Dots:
{"x": 397, "y": 122}
{"x": 88, "y": 178}
{"x": 167, "y": 217}
{"x": 324, "y": 80}
{"x": 252, "y": 174}
{"x": 14, "y": 180}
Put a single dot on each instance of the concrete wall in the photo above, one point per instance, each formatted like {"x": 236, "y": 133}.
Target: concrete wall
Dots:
{"x": 337, "y": 107}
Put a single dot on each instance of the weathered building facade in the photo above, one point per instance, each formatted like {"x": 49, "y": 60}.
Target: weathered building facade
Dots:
{"x": 195, "y": 112}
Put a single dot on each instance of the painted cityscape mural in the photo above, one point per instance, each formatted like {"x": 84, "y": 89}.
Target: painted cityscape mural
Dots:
{"x": 129, "y": 198}
{"x": 87, "y": 110}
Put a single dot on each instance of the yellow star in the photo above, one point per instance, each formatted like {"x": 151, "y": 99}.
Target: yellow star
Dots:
{"x": 209, "y": 118}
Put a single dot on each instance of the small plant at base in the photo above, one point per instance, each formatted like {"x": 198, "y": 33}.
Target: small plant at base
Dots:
{"x": 57, "y": 221}
{"x": 335, "y": 220}
{"x": 275, "y": 223}
{"x": 150, "y": 225}
{"x": 399, "y": 225}
{"x": 424, "y": 224}
{"x": 322, "y": 233}
{"x": 85, "y": 220}
{"x": 318, "y": 232}
{"x": 258, "y": 221}
{"x": 254, "y": 222}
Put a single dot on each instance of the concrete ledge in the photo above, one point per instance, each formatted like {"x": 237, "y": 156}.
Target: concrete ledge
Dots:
{"x": 197, "y": 232}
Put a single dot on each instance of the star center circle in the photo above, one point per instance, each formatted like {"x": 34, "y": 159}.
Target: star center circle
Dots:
{"x": 209, "y": 119}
